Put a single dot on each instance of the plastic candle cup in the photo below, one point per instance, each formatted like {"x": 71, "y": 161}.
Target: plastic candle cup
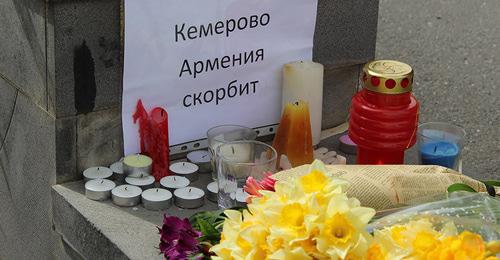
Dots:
{"x": 185, "y": 169}
{"x": 202, "y": 159}
{"x": 137, "y": 165}
{"x": 156, "y": 199}
{"x": 99, "y": 189}
{"x": 174, "y": 182}
{"x": 144, "y": 183}
{"x": 440, "y": 144}
{"x": 126, "y": 195}
{"x": 97, "y": 173}
{"x": 189, "y": 197}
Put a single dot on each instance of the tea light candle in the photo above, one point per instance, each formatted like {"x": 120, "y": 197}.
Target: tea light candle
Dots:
{"x": 117, "y": 169}
{"x": 99, "y": 189}
{"x": 185, "y": 169}
{"x": 212, "y": 191}
{"x": 189, "y": 197}
{"x": 202, "y": 159}
{"x": 144, "y": 183}
{"x": 137, "y": 165}
{"x": 156, "y": 199}
{"x": 126, "y": 195}
{"x": 174, "y": 182}
{"x": 100, "y": 172}
{"x": 241, "y": 196}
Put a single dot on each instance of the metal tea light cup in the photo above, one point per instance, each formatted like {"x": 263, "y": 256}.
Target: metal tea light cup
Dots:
{"x": 226, "y": 133}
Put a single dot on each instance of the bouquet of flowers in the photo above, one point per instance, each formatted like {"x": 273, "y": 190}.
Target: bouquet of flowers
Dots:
{"x": 311, "y": 217}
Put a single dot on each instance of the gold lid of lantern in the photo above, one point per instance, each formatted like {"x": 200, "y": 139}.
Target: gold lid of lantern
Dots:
{"x": 388, "y": 77}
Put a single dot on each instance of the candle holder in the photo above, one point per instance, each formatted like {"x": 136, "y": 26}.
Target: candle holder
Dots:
{"x": 223, "y": 134}
{"x": 185, "y": 169}
{"x": 174, "y": 182}
{"x": 99, "y": 189}
{"x": 202, "y": 159}
{"x": 99, "y": 172}
{"x": 137, "y": 165}
{"x": 189, "y": 197}
{"x": 235, "y": 164}
{"x": 441, "y": 144}
{"x": 156, "y": 199}
{"x": 117, "y": 168}
{"x": 126, "y": 195}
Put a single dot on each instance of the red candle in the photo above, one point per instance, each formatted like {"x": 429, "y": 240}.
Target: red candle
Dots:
{"x": 159, "y": 143}
{"x": 384, "y": 115}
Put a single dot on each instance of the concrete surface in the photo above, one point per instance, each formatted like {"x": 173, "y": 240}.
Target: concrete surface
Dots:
{"x": 453, "y": 46}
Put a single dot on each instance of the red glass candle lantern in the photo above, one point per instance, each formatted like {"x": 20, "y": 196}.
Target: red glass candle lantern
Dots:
{"x": 384, "y": 114}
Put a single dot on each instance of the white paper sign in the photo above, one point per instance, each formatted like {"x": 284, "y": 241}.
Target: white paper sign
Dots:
{"x": 211, "y": 62}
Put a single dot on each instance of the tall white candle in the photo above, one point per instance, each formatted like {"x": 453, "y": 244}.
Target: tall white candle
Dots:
{"x": 303, "y": 80}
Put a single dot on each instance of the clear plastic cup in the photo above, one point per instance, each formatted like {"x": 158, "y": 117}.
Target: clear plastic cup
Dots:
{"x": 441, "y": 144}
{"x": 236, "y": 161}
{"x": 226, "y": 133}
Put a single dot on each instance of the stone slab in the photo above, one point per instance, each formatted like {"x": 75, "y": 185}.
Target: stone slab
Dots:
{"x": 345, "y": 32}
{"x": 99, "y": 139}
{"x": 27, "y": 171}
{"x": 340, "y": 85}
{"x": 22, "y": 57}
{"x": 88, "y": 67}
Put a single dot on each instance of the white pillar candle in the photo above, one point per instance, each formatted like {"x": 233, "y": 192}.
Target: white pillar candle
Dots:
{"x": 156, "y": 199}
{"x": 189, "y": 197}
{"x": 100, "y": 172}
{"x": 126, "y": 195}
{"x": 185, "y": 169}
{"x": 99, "y": 189}
{"x": 303, "y": 80}
{"x": 212, "y": 191}
{"x": 137, "y": 165}
{"x": 117, "y": 169}
{"x": 202, "y": 159}
{"x": 174, "y": 182}
{"x": 144, "y": 183}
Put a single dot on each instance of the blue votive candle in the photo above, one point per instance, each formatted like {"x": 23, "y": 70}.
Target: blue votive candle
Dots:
{"x": 443, "y": 153}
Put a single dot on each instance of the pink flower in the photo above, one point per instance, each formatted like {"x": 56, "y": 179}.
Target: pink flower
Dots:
{"x": 252, "y": 186}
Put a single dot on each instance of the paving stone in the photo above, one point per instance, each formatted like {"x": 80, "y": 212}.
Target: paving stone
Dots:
{"x": 27, "y": 171}
{"x": 99, "y": 139}
{"x": 340, "y": 84}
{"x": 66, "y": 149}
{"x": 88, "y": 67}
{"x": 22, "y": 58}
{"x": 345, "y": 32}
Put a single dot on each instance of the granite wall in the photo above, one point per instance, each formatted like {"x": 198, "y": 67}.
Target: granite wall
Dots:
{"x": 60, "y": 95}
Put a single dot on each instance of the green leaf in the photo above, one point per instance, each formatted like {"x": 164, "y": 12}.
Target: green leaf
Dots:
{"x": 492, "y": 183}
{"x": 460, "y": 187}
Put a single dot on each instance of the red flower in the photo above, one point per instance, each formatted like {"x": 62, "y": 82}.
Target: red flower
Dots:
{"x": 253, "y": 186}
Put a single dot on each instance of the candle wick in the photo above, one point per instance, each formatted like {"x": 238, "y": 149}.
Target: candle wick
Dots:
{"x": 97, "y": 168}
{"x": 183, "y": 164}
{"x": 102, "y": 181}
{"x": 156, "y": 190}
{"x": 204, "y": 156}
{"x": 174, "y": 178}
{"x": 435, "y": 148}
{"x": 126, "y": 188}
{"x": 189, "y": 190}
{"x": 297, "y": 103}
{"x": 232, "y": 148}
